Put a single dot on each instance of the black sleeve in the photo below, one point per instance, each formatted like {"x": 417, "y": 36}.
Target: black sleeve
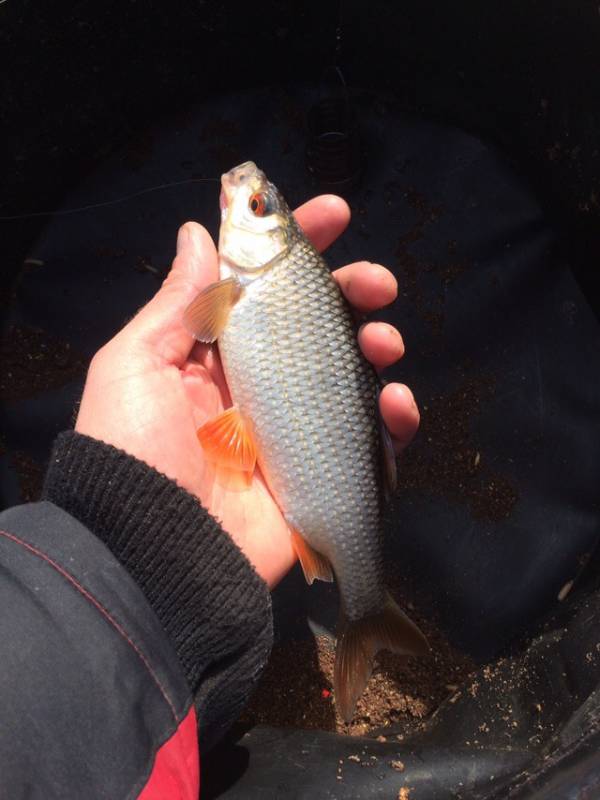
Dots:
{"x": 213, "y": 606}
{"x": 131, "y": 627}
{"x": 93, "y": 700}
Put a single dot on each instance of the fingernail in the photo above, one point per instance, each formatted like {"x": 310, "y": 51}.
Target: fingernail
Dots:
{"x": 407, "y": 392}
{"x": 183, "y": 238}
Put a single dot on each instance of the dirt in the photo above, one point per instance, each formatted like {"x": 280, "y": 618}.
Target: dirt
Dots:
{"x": 447, "y": 457}
{"x": 30, "y": 475}
{"x": 33, "y": 362}
{"x": 296, "y": 689}
{"x": 424, "y": 283}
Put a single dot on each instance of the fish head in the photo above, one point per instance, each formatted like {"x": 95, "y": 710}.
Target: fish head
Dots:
{"x": 255, "y": 220}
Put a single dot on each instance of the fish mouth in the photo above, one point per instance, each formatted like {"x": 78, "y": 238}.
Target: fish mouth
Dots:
{"x": 236, "y": 177}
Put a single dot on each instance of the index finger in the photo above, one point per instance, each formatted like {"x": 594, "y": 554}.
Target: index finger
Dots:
{"x": 323, "y": 219}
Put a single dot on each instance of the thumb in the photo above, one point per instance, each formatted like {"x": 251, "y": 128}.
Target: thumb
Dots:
{"x": 158, "y": 326}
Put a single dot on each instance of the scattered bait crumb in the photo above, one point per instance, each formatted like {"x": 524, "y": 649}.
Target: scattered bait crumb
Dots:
{"x": 397, "y": 765}
{"x": 31, "y": 476}
{"x": 33, "y": 361}
{"x": 105, "y": 251}
{"x": 424, "y": 283}
{"x": 144, "y": 264}
{"x": 565, "y": 590}
{"x": 446, "y": 457}
{"x": 404, "y": 794}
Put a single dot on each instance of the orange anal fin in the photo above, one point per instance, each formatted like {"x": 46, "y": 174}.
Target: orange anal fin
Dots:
{"x": 314, "y": 565}
{"x": 206, "y": 316}
{"x": 227, "y": 441}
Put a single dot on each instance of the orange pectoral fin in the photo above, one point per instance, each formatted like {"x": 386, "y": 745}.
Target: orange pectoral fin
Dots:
{"x": 228, "y": 442}
{"x": 314, "y": 565}
{"x": 206, "y": 316}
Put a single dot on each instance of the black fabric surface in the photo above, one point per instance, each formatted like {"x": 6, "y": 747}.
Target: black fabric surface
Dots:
{"x": 67, "y": 670}
{"x": 489, "y": 310}
{"x": 513, "y": 318}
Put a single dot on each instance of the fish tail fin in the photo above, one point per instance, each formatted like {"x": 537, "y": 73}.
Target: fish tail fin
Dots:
{"x": 358, "y": 643}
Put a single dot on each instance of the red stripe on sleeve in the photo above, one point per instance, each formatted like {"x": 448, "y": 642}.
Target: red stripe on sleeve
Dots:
{"x": 176, "y": 771}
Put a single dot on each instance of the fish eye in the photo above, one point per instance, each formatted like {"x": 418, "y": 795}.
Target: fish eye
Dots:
{"x": 259, "y": 204}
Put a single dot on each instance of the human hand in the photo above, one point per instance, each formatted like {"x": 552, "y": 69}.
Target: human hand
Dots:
{"x": 151, "y": 387}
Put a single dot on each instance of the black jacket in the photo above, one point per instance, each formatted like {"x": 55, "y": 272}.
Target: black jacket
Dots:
{"x": 128, "y": 616}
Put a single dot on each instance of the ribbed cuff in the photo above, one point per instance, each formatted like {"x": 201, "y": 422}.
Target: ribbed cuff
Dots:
{"x": 214, "y": 607}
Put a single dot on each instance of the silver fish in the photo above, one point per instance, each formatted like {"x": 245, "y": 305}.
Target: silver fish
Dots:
{"x": 305, "y": 409}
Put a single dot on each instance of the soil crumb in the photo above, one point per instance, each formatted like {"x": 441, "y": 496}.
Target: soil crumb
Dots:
{"x": 425, "y": 282}
{"x": 31, "y": 476}
{"x": 447, "y": 459}
{"x": 33, "y": 361}
{"x": 296, "y": 689}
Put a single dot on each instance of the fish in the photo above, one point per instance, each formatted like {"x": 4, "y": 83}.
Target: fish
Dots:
{"x": 304, "y": 410}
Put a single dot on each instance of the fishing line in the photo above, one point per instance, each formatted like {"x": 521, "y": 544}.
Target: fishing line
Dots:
{"x": 91, "y": 206}
{"x": 338, "y": 34}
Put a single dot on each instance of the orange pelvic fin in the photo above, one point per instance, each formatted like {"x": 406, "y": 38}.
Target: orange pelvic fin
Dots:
{"x": 314, "y": 565}
{"x": 228, "y": 442}
{"x": 206, "y": 316}
{"x": 358, "y": 643}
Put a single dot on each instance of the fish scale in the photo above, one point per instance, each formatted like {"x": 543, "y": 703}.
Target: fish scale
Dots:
{"x": 311, "y": 397}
